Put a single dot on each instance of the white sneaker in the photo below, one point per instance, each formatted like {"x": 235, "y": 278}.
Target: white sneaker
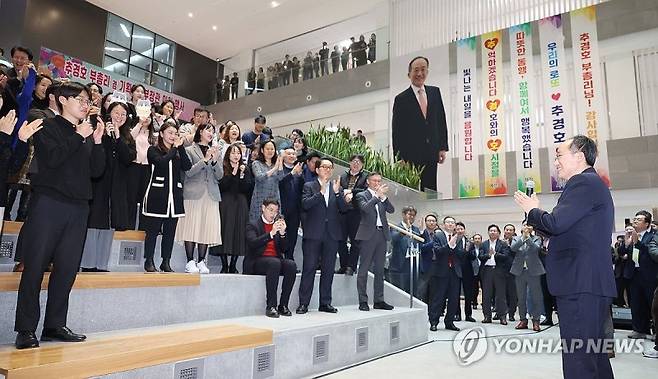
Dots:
{"x": 191, "y": 268}
{"x": 202, "y": 268}
{"x": 650, "y": 353}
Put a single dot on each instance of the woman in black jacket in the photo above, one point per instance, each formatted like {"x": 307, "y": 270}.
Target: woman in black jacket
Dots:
{"x": 109, "y": 209}
{"x": 163, "y": 202}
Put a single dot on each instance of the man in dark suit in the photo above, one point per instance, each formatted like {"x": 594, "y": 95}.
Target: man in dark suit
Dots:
{"x": 373, "y": 234}
{"x": 470, "y": 270}
{"x": 420, "y": 134}
{"x": 623, "y": 272}
{"x": 494, "y": 265}
{"x": 335, "y": 60}
{"x": 352, "y": 181}
{"x": 266, "y": 240}
{"x": 290, "y": 190}
{"x": 287, "y": 70}
{"x": 445, "y": 273}
{"x": 578, "y": 267}
{"x": 322, "y": 200}
{"x": 324, "y": 59}
{"x": 509, "y": 232}
{"x": 637, "y": 250}
{"x": 425, "y": 270}
{"x": 399, "y": 266}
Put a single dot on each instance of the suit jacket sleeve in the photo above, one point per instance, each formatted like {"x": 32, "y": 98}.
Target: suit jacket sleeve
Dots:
{"x": 310, "y": 199}
{"x": 255, "y": 240}
{"x": 441, "y": 123}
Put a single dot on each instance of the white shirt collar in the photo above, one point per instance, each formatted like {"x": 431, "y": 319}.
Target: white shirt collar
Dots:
{"x": 265, "y": 221}
{"x": 416, "y": 89}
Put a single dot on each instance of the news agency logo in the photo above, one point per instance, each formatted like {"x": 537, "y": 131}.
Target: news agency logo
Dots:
{"x": 471, "y": 345}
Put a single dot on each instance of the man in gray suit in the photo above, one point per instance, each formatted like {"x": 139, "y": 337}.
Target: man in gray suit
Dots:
{"x": 373, "y": 233}
{"x": 527, "y": 270}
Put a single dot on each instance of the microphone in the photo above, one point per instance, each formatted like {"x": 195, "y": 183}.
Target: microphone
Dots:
{"x": 530, "y": 187}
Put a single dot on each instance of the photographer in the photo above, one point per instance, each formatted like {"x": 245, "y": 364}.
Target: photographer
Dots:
{"x": 267, "y": 244}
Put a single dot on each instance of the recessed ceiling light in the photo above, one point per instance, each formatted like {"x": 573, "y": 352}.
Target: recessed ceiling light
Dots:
{"x": 274, "y": 4}
{"x": 190, "y": 14}
{"x": 214, "y": 27}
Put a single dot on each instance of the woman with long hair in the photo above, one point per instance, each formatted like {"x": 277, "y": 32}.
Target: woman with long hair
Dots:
{"x": 163, "y": 200}
{"x": 301, "y": 148}
{"x": 232, "y": 134}
{"x": 140, "y": 170}
{"x": 268, "y": 172}
{"x": 201, "y": 225}
{"x": 109, "y": 208}
{"x": 236, "y": 187}
{"x": 137, "y": 93}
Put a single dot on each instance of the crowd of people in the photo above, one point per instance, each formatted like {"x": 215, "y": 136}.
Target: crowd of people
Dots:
{"x": 292, "y": 70}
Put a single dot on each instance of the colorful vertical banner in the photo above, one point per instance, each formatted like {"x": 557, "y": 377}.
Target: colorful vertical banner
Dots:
{"x": 469, "y": 139}
{"x": 557, "y": 125}
{"x": 495, "y": 181}
{"x": 525, "y": 127}
{"x": 591, "y": 116}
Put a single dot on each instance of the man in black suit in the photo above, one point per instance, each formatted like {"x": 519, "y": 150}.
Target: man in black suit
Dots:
{"x": 470, "y": 270}
{"x": 287, "y": 70}
{"x": 578, "y": 266}
{"x": 494, "y": 265}
{"x": 373, "y": 234}
{"x": 445, "y": 273}
{"x": 324, "y": 59}
{"x": 266, "y": 240}
{"x": 639, "y": 251}
{"x": 335, "y": 60}
{"x": 353, "y": 181}
{"x": 290, "y": 190}
{"x": 322, "y": 200}
{"x": 509, "y": 232}
{"x": 420, "y": 134}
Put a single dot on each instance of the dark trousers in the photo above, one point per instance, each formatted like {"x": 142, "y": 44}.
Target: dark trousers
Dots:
{"x": 402, "y": 280}
{"x": 549, "y": 300}
{"x": 292, "y": 229}
{"x": 583, "y": 317}
{"x": 138, "y": 181}
{"x": 468, "y": 284}
{"x": 444, "y": 288}
{"x": 511, "y": 295}
{"x": 307, "y": 73}
{"x": 324, "y": 67}
{"x": 153, "y": 226}
{"x": 350, "y": 257}
{"x": 323, "y": 252}
{"x": 272, "y": 268}
{"x": 295, "y": 76}
{"x": 234, "y": 92}
{"x": 623, "y": 289}
{"x": 654, "y": 313}
{"x": 641, "y": 296}
{"x": 373, "y": 253}
{"x": 493, "y": 280}
{"x": 335, "y": 66}
{"x": 428, "y": 177}
{"x": 54, "y": 232}
{"x": 424, "y": 286}
{"x": 286, "y": 78}
{"x": 23, "y": 203}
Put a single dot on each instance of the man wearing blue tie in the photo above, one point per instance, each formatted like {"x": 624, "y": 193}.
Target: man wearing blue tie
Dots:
{"x": 578, "y": 267}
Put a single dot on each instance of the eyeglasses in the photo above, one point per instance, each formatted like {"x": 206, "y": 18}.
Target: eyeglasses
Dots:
{"x": 83, "y": 101}
{"x": 641, "y": 218}
{"x": 326, "y": 166}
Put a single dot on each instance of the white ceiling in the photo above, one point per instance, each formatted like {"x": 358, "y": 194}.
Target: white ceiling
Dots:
{"x": 241, "y": 24}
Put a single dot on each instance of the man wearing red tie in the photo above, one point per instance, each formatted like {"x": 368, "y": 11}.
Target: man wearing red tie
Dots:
{"x": 420, "y": 134}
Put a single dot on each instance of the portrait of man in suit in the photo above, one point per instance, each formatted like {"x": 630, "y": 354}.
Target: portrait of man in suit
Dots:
{"x": 578, "y": 267}
{"x": 419, "y": 130}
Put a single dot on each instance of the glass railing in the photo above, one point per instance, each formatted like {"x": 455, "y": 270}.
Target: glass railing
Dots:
{"x": 315, "y": 62}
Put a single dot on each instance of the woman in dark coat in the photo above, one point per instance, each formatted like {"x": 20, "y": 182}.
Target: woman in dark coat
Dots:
{"x": 163, "y": 201}
{"x": 236, "y": 186}
{"x": 109, "y": 209}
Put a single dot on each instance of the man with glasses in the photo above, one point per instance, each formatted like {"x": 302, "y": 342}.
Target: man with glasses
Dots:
{"x": 353, "y": 181}
{"x": 640, "y": 251}
{"x": 578, "y": 267}
{"x": 322, "y": 199}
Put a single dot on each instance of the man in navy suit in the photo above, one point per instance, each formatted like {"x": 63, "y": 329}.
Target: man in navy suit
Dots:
{"x": 290, "y": 190}
{"x": 322, "y": 200}
{"x": 578, "y": 267}
{"x": 399, "y": 265}
{"x": 495, "y": 263}
{"x": 420, "y": 134}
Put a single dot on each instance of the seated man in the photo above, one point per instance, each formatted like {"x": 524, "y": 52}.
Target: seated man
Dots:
{"x": 267, "y": 247}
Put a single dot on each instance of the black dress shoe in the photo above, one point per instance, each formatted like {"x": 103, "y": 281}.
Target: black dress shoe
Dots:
{"x": 433, "y": 328}
{"x": 149, "y": 266}
{"x": 271, "y": 312}
{"x": 495, "y": 317}
{"x": 546, "y": 322}
{"x": 86, "y": 269}
{"x": 349, "y": 271}
{"x": 458, "y": 318}
{"x": 26, "y": 340}
{"x": 469, "y": 319}
{"x": 62, "y": 334}
{"x": 302, "y": 309}
{"x": 284, "y": 311}
{"x": 511, "y": 318}
{"x": 452, "y": 327}
{"x": 364, "y": 307}
{"x": 327, "y": 308}
{"x": 383, "y": 305}
{"x": 487, "y": 320}
{"x": 165, "y": 267}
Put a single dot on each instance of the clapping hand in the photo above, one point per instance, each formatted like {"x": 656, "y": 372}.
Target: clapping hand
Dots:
{"x": 27, "y": 130}
{"x": 297, "y": 169}
{"x": 7, "y": 122}
{"x": 336, "y": 185}
{"x": 98, "y": 132}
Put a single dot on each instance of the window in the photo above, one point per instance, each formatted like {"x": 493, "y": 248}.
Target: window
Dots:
{"x": 139, "y": 54}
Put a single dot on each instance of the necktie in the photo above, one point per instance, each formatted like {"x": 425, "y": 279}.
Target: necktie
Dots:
{"x": 450, "y": 256}
{"x": 422, "y": 100}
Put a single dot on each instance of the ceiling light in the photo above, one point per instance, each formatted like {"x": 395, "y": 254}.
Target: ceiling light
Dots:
{"x": 109, "y": 48}
{"x": 125, "y": 30}
{"x": 274, "y": 4}
{"x": 139, "y": 36}
{"x": 190, "y": 14}
{"x": 214, "y": 27}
